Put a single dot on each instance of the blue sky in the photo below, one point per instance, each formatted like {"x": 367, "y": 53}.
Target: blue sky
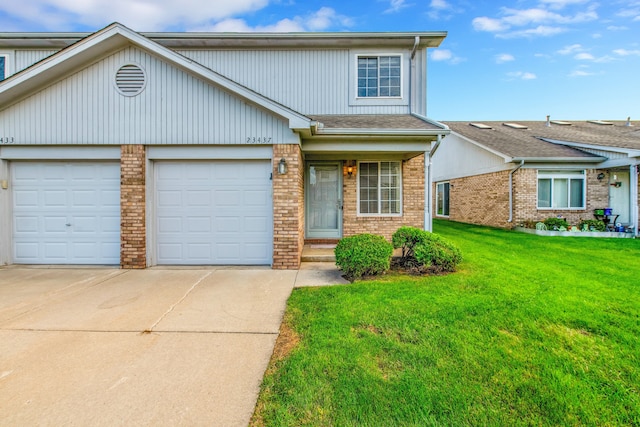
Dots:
{"x": 517, "y": 60}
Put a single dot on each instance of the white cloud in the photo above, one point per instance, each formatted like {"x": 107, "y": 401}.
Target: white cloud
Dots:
{"x": 542, "y": 22}
{"x": 395, "y": 6}
{"x": 580, "y": 73}
{"x": 442, "y": 9}
{"x": 141, "y": 15}
{"x": 522, "y": 75}
{"x": 567, "y": 50}
{"x": 625, "y": 52}
{"x": 584, "y": 57}
{"x": 445, "y": 55}
{"x": 617, "y": 28}
{"x": 561, "y": 4}
{"x": 504, "y": 57}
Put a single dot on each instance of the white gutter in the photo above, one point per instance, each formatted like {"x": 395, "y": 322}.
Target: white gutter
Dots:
{"x": 511, "y": 189}
{"x": 428, "y": 155}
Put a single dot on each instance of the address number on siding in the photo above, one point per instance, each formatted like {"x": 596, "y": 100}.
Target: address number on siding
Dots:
{"x": 7, "y": 140}
{"x": 258, "y": 140}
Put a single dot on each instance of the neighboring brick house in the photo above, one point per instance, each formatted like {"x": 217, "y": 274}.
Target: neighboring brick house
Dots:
{"x": 139, "y": 149}
{"x": 505, "y": 173}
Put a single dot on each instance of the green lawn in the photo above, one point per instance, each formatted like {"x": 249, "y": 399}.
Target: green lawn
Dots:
{"x": 529, "y": 331}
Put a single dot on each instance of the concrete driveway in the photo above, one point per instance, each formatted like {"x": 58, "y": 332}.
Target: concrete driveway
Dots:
{"x": 101, "y": 346}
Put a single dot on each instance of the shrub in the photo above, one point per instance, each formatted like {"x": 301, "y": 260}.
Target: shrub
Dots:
{"x": 597, "y": 225}
{"x": 554, "y": 223}
{"x": 423, "y": 250}
{"x": 363, "y": 255}
{"x": 407, "y": 238}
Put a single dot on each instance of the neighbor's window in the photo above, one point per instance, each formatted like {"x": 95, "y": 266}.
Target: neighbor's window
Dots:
{"x": 561, "y": 190}
{"x": 3, "y": 74}
{"x": 442, "y": 199}
{"x": 379, "y": 76}
{"x": 379, "y": 188}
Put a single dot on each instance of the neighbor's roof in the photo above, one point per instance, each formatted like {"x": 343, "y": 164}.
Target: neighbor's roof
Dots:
{"x": 525, "y": 141}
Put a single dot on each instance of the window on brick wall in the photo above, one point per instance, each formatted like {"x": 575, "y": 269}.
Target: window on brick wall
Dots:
{"x": 442, "y": 199}
{"x": 379, "y": 188}
{"x": 561, "y": 190}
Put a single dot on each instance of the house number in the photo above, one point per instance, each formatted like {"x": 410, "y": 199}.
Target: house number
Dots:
{"x": 258, "y": 140}
{"x": 7, "y": 140}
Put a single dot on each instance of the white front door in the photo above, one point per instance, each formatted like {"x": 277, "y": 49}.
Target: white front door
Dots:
{"x": 324, "y": 201}
{"x": 213, "y": 212}
{"x": 66, "y": 212}
{"x": 619, "y": 197}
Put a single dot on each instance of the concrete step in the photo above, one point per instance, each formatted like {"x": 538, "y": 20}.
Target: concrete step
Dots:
{"x": 318, "y": 252}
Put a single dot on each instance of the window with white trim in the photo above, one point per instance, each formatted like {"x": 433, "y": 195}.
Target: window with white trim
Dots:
{"x": 379, "y": 188}
{"x": 379, "y": 76}
{"x": 442, "y": 199}
{"x": 561, "y": 190}
{"x": 3, "y": 67}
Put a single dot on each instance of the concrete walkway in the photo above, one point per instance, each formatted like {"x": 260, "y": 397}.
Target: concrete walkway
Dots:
{"x": 102, "y": 346}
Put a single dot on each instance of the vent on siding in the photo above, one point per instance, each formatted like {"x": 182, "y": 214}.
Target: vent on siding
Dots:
{"x": 130, "y": 80}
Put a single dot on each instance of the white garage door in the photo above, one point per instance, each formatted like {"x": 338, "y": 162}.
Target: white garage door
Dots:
{"x": 213, "y": 212}
{"x": 66, "y": 213}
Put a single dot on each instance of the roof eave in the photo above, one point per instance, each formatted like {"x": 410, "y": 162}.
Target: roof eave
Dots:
{"x": 595, "y": 159}
{"x": 629, "y": 151}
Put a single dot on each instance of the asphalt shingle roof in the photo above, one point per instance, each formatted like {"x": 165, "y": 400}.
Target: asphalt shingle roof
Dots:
{"x": 374, "y": 121}
{"x": 526, "y": 143}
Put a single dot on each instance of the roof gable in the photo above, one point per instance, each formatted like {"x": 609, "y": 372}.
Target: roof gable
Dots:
{"x": 115, "y": 37}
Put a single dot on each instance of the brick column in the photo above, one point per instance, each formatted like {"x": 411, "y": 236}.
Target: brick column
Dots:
{"x": 133, "y": 249}
{"x": 288, "y": 208}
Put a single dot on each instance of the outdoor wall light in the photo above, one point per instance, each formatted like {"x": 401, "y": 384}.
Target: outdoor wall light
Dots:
{"x": 600, "y": 176}
{"x": 282, "y": 166}
{"x": 351, "y": 167}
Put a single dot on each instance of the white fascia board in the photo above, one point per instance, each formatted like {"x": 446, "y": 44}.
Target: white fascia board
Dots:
{"x": 117, "y": 35}
{"x": 507, "y": 159}
{"x": 630, "y": 152}
{"x": 381, "y": 132}
{"x": 432, "y": 122}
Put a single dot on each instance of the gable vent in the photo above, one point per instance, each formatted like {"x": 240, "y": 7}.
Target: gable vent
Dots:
{"x": 130, "y": 80}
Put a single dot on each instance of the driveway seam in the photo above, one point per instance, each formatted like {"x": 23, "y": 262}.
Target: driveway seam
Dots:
{"x": 173, "y": 306}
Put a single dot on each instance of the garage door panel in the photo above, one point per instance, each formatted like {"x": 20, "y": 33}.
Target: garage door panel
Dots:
{"x": 66, "y": 212}
{"x": 209, "y": 208}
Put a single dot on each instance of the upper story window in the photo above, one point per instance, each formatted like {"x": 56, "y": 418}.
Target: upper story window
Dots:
{"x": 379, "y": 188}
{"x": 561, "y": 190}
{"x": 379, "y": 76}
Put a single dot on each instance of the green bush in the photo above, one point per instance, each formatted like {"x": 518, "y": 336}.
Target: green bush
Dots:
{"x": 554, "y": 223}
{"x": 363, "y": 255}
{"x": 423, "y": 250}
{"x": 407, "y": 238}
{"x": 597, "y": 225}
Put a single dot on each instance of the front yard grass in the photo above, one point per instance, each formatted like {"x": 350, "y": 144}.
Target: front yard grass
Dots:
{"x": 531, "y": 330}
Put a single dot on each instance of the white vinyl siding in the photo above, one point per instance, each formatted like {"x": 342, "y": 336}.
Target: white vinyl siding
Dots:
{"x": 561, "y": 190}
{"x": 379, "y": 188}
{"x": 66, "y": 212}
{"x": 26, "y": 58}
{"x": 213, "y": 212}
{"x": 293, "y": 78}
{"x": 175, "y": 108}
{"x": 442, "y": 199}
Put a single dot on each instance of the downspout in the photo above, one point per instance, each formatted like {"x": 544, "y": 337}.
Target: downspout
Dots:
{"x": 428, "y": 155}
{"x": 413, "y": 54}
{"x": 514, "y": 170}
{"x": 633, "y": 188}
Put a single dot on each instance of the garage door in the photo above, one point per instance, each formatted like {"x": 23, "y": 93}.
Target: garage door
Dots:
{"x": 66, "y": 213}
{"x": 214, "y": 212}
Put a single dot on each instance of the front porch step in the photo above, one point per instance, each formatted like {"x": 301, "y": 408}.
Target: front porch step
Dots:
{"x": 318, "y": 252}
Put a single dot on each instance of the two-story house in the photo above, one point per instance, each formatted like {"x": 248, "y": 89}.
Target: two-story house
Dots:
{"x": 209, "y": 148}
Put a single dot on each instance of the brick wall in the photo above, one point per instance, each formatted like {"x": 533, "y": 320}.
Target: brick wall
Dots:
{"x": 412, "y": 204}
{"x": 133, "y": 252}
{"x": 288, "y": 208}
{"x": 481, "y": 199}
{"x": 526, "y": 198}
